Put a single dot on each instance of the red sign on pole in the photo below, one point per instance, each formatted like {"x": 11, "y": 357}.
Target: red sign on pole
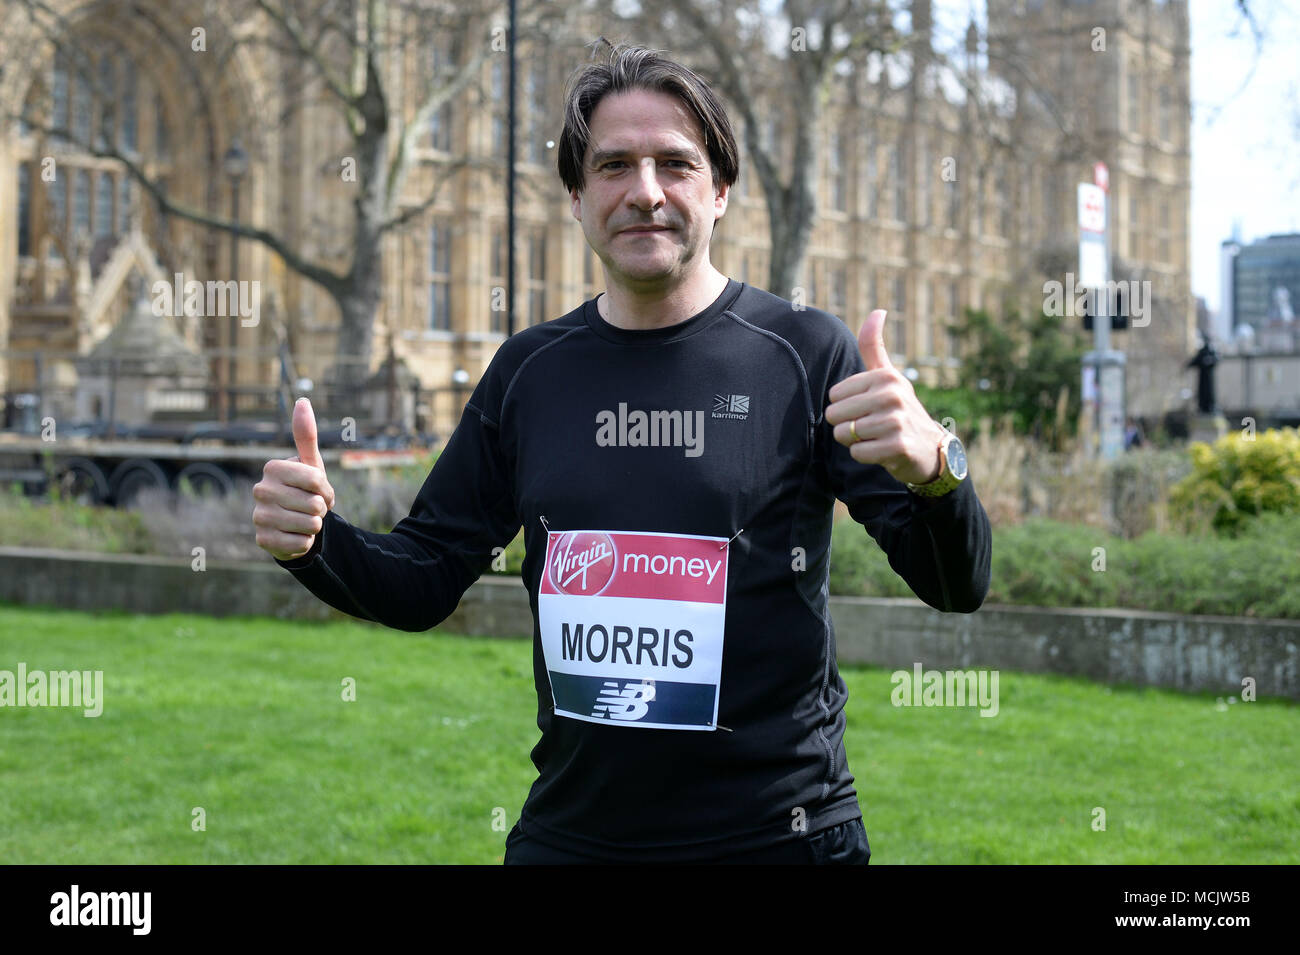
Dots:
{"x": 1092, "y": 208}
{"x": 1101, "y": 176}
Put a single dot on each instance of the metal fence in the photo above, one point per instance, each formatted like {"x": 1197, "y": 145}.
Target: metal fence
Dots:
{"x": 128, "y": 396}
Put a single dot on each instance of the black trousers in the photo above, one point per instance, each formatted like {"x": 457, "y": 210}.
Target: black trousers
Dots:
{"x": 845, "y": 844}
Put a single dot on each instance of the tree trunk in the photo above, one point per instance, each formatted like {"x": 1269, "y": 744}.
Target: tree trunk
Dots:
{"x": 791, "y": 209}
{"x": 358, "y": 304}
{"x": 359, "y": 295}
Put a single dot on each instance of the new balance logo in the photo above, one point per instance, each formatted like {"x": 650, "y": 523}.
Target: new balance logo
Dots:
{"x": 731, "y": 406}
{"x": 625, "y": 702}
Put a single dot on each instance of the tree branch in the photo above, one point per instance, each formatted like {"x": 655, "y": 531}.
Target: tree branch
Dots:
{"x": 293, "y": 30}
{"x": 414, "y": 212}
{"x": 419, "y": 122}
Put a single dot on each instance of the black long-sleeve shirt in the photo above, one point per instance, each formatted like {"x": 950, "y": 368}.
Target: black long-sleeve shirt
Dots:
{"x": 552, "y": 440}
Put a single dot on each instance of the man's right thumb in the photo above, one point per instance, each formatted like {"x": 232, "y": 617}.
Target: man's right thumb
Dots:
{"x": 304, "y": 434}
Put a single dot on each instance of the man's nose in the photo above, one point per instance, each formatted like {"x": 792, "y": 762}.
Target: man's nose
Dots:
{"x": 646, "y": 194}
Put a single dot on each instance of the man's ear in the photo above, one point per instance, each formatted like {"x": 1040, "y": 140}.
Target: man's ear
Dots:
{"x": 575, "y": 202}
{"x": 720, "y": 201}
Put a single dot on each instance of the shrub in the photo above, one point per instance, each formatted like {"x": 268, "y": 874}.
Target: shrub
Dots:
{"x": 176, "y": 523}
{"x": 1139, "y": 483}
{"x": 1018, "y": 479}
{"x": 1239, "y": 477}
{"x": 68, "y": 525}
{"x": 1029, "y": 366}
{"x": 1046, "y": 563}
{"x": 172, "y": 524}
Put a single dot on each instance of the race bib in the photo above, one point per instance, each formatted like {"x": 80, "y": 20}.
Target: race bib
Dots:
{"x": 632, "y": 626}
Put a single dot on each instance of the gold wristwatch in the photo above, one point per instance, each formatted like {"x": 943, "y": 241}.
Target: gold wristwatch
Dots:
{"x": 952, "y": 468}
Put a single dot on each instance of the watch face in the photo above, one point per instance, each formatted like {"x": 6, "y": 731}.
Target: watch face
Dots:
{"x": 956, "y": 458}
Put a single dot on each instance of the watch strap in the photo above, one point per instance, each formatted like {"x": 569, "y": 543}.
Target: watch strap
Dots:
{"x": 946, "y": 481}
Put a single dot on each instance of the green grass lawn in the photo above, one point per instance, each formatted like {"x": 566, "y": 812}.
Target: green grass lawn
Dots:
{"x": 244, "y": 717}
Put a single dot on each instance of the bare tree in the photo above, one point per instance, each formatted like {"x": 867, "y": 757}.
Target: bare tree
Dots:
{"x": 751, "y": 59}
{"x": 339, "y": 51}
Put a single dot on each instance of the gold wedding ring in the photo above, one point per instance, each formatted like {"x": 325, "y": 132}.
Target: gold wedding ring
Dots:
{"x": 853, "y": 430}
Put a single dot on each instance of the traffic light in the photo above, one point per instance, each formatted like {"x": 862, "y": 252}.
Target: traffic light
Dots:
{"x": 1116, "y": 305}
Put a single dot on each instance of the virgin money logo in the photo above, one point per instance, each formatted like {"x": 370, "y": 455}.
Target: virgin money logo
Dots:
{"x": 582, "y": 563}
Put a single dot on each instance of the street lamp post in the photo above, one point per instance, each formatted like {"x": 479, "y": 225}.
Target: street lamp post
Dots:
{"x": 510, "y": 173}
{"x": 235, "y": 166}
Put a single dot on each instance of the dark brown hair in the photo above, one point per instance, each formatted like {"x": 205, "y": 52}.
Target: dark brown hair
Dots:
{"x": 629, "y": 68}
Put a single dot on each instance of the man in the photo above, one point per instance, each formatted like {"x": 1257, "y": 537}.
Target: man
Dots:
{"x": 672, "y": 449}
{"x": 1132, "y": 434}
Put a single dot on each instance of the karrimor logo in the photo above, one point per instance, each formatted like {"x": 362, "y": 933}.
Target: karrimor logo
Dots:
{"x": 582, "y": 563}
{"x": 731, "y": 406}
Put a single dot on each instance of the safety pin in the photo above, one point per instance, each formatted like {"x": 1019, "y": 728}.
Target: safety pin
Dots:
{"x": 733, "y": 537}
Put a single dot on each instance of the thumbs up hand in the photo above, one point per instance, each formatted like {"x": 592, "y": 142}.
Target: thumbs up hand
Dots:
{"x": 293, "y": 496}
{"x": 304, "y": 434}
{"x": 878, "y": 417}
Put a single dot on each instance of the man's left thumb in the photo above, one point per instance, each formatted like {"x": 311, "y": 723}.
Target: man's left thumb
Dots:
{"x": 871, "y": 341}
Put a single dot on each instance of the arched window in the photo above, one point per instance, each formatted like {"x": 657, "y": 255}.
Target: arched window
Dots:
{"x": 57, "y": 194}
{"x": 103, "y": 205}
{"x": 535, "y": 96}
{"x": 24, "y": 209}
{"x": 130, "y": 126}
{"x": 1134, "y": 97}
{"x": 956, "y": 317}
{"x": 81, "y": 110}
{"x": 899, "y": 309}
{"x": 81, "y": 203}
{"x": 537, "y": 277}
{"x": 59, "y": 97}
{"x": 92, "y": 106}
{"x": 837, "y": 172}
{"x": 870, "y": 172}
{"x": 1005, "y": 201}
{"x": 499, "y": 144}
{"x": 106, "y": 132}
{"x": 440, "y": 277}
{"x": 923, "y": 187}
{"x": 161, "y": 141}
{"x": 839, "y": 287}
{"x": 445, "y": 57}
{"x": 899, "y": 183}
{"x": 123, "y": 202}
{"x": 925, "y": 315}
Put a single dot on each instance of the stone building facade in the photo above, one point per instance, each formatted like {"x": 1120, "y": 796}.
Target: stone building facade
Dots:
{"x": 929, "y": 199}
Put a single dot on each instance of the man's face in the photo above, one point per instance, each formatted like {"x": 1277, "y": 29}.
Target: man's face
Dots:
{"x": 646, "y": 165}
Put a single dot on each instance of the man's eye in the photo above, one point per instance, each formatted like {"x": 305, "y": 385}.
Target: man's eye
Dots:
{"x": 619, "y": 162}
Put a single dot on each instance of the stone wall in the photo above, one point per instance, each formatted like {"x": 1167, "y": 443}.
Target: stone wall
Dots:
{"x": 1183, "y": 652}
